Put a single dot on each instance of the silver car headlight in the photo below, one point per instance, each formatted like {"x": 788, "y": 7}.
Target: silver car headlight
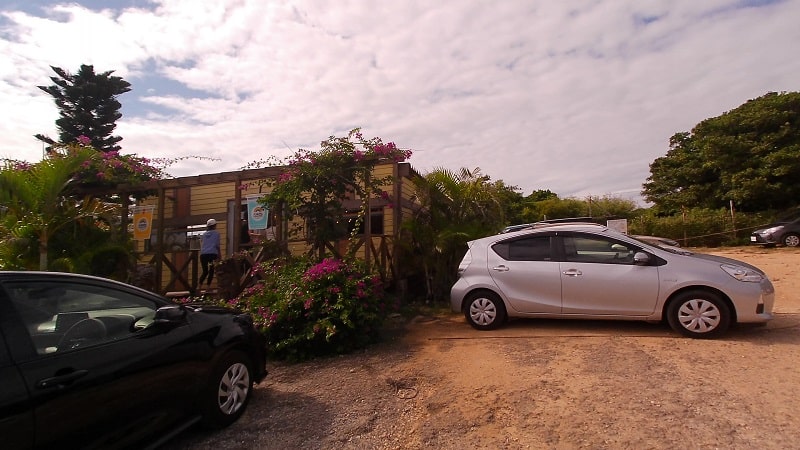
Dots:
{"x": 772, "y": 230}
{"x": 742, "y": 273}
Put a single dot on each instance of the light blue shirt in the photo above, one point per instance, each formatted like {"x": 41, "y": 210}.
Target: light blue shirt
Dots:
{"x": 210, "y": 244}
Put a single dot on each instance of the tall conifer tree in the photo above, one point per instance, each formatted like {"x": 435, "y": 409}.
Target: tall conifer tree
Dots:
{"x": 88, "y": 106}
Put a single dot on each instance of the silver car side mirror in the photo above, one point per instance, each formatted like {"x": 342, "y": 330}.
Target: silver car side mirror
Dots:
{"x": 641, "y": 259}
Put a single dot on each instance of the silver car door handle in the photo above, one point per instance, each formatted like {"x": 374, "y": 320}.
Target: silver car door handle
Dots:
{"x": 572, "y": 272}
{"x": 500, "y": 268}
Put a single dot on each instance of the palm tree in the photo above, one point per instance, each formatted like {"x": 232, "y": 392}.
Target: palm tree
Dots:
{"x": 456, "y": 207}
{"x": 37, "y": 197}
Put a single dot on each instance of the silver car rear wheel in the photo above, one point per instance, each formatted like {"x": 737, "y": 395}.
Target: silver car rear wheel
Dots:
{"x": 699, "y": 314}
{"x": 485, "y": 310}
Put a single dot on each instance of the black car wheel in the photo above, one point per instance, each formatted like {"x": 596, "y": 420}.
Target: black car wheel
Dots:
{"x": 485, "y": 310}
{"x": 791, "y": 240}
{"x": 699, "y": 314}
{"x": 228, "y": 391}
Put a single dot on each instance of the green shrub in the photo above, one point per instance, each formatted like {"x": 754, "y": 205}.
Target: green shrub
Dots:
{"x": 308, "y": 310}
{"x": 700, "y": 227}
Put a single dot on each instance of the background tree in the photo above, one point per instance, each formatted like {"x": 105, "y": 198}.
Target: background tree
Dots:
{"x": 558, "y": 208}
{"x": 87, "y": 106}
{"x": 512, "y": 201}
{"x": 750, "y": 155}
{"x": 611, "y": 207}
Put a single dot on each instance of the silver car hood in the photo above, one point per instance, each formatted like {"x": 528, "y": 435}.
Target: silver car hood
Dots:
{"x": 721, "y": 260}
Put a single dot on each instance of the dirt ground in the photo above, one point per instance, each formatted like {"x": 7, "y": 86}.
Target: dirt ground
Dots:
{"x": 541, "y": 384}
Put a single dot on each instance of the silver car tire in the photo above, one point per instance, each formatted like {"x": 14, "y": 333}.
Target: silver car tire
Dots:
{"x": 228, "y": 390}
{"x": 791, "y": 240}
{"x": 485, "y": 310}
{"x": 699, "y": 314}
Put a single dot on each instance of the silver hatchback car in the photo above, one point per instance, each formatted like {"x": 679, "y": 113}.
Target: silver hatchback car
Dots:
{"x": 590, "y": 271}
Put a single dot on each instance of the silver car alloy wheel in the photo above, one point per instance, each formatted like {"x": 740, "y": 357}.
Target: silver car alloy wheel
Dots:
{"x": 483, "y": 311}
{"x": 791, "y": 240}
{"x": 699, "y": 315}
{"x": 233, "y": 388}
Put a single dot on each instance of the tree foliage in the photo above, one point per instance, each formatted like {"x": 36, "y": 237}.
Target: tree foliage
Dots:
{"x": 87, "y": 106}
{"x": 750, "y": 155}
{"x": 456, "y": 207}
{"x": 37, "y": 202}
{"x": 544, "y": 204}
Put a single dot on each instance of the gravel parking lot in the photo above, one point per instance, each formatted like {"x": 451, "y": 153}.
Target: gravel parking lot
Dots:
{"x": 437, "y": 383}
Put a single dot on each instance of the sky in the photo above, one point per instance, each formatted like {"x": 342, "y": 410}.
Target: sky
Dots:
{"x": 578, "y": 97}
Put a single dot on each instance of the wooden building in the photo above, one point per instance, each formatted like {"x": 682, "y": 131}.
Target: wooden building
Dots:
{"x": 181, "y": 207}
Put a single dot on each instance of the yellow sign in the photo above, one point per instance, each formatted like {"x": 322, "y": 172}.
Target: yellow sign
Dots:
{"x": 142, "y": 222}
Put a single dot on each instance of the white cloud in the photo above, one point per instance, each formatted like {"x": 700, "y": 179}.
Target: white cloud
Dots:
{"x": 577, "y": 98}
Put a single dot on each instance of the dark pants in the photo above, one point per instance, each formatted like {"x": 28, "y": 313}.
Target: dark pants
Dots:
{"x": 207, "y": 263}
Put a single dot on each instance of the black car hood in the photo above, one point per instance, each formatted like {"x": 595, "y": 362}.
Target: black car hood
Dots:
{"x": 216, "y": 312}
{"x": 212, "y": 309}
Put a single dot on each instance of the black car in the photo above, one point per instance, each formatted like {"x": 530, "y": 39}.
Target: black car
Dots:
{"x": 785, "y": 231}
{"x": 87, "y": 363}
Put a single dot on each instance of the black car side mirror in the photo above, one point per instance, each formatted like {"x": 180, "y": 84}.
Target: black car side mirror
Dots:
{"x": 169, "y": 315}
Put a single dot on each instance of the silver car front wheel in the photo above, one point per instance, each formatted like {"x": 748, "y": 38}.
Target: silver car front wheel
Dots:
{"x": 699, "y": 314}
{"x": 485, "y": 310}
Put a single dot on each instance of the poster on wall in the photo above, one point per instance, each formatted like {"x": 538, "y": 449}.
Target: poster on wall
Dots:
{"x": 257, "y": 213}
{"x": 142, "y": 222}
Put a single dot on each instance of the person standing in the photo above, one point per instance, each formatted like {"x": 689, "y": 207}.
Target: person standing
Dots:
{"x": 209, "y": 251}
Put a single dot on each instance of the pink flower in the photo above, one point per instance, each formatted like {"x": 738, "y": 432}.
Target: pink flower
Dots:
{"x": 326, "y": 267}
{"x": 83, "y": 140}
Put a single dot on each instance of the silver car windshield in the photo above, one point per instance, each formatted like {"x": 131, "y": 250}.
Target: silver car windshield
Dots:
{"x": 669, "y": 248}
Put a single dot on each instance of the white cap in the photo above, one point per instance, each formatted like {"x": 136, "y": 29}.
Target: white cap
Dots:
{"x": 211, "y": 222}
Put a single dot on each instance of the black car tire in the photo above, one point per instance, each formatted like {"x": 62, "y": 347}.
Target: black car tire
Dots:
{"x": 791, "y": 240}
{"x": 228, "y": 390}
{"x": 485, "y": 310}
{"x": 699, "y": 314}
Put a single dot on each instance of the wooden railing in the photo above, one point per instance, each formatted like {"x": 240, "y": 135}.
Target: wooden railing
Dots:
{"x": 236, "y": 274}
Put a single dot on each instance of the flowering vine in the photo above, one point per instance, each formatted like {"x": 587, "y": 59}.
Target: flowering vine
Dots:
{"x": 315, "y": 183}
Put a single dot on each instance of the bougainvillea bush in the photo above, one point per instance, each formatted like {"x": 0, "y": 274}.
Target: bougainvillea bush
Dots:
{"x": 314, "y": 184}
{"x": 308, "y": 309}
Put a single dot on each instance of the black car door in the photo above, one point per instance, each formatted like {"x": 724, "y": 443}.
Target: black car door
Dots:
{"x": 16, "y": 416}
{"x": 100, "y": 373}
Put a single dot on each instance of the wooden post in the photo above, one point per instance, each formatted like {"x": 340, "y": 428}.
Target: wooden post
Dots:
{"x": 237, "y": 213}
{"x": 367, "y": 220}
{"x": 160, "y": 233}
